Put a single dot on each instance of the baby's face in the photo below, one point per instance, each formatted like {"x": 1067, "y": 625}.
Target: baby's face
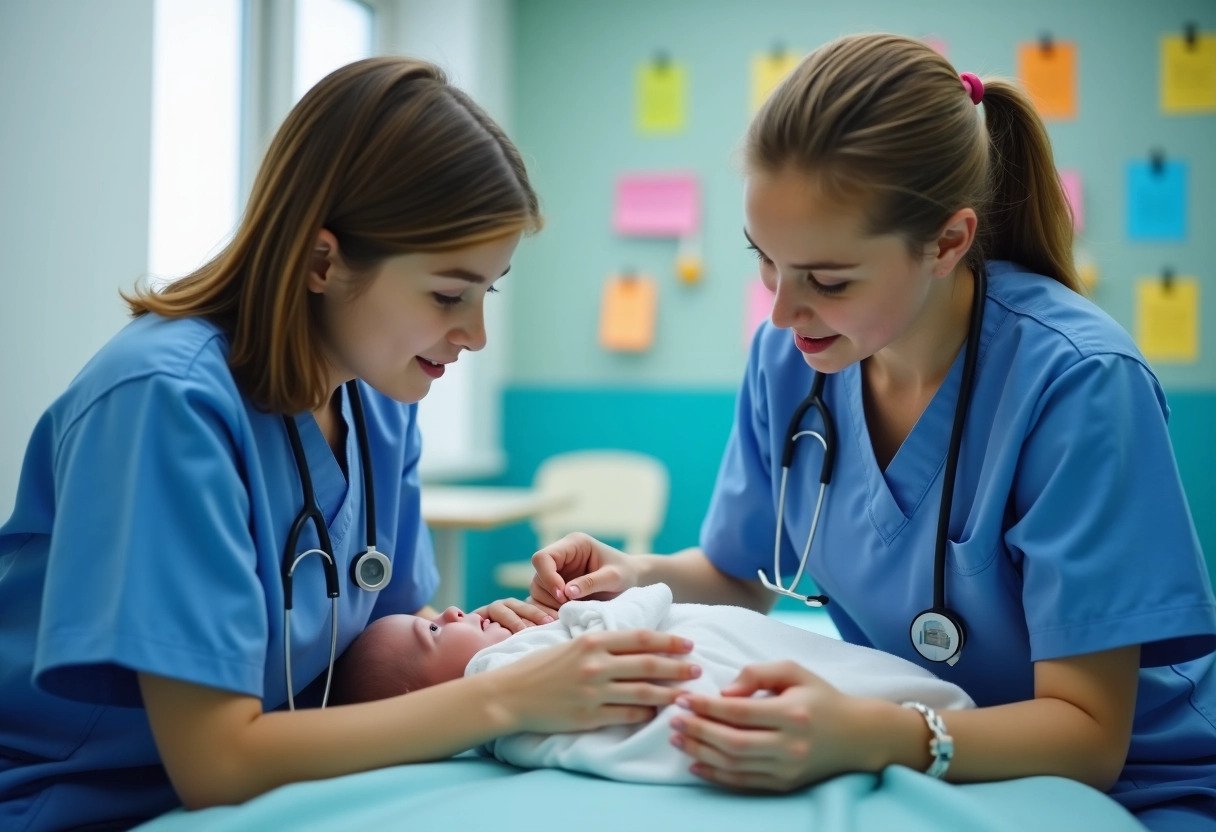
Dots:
{"x": 441, "y": 648}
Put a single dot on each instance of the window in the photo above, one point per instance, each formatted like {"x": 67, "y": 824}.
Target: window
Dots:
{"x": 196, "y": 102}
{"x": 328, "y": 34}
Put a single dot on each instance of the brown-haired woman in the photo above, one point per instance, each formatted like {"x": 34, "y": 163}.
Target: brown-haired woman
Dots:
{"x": 146, "y": 655}
{"x": 920, "y": 256}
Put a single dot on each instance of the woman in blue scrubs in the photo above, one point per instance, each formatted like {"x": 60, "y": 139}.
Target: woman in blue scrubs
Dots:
{"x": 877, "y": 198}
{"x": 142, "y": 643}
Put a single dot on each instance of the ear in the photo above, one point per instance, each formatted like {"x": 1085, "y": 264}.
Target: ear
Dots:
{"x": 321, "y": 267}
{"x": 952, "y": 242}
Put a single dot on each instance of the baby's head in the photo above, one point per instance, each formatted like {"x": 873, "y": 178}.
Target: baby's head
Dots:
{"x": 402, "y": 653}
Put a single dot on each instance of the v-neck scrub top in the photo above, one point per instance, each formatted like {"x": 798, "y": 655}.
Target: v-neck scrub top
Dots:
{"x": 151, "y": 515}
{"x": 1069, "y": 532}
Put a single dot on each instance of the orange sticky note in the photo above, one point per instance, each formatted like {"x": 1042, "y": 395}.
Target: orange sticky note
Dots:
{"x": 1050, "y": 76}
{"x": 628, "y": 313}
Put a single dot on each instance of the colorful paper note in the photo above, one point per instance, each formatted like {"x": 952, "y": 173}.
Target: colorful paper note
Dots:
{"x": 628, "y": 313}
{"x": 1071, "y": 182}
{"x": 1167, "y": 319}
{"x": 1188, "y": 74}
{"x": 768, "y": 71}
{"x": 1156, "y": 201}
{"x": 937, "y": 44}
{"x": 657, "y": 205}
{"x": 661, "y": 98}
{"x": 1049, "y": 74}
{"x": 757, "y": 307}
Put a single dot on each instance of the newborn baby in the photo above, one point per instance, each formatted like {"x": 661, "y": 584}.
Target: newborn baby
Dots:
{"x": 402, "y": 653}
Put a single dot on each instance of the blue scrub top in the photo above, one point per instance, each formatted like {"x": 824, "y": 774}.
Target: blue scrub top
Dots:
{"x": 1069, "y": 532}
{"x": 151, "y": 515}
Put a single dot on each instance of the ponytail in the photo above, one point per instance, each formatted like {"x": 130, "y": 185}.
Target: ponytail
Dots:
{"x": 1027, "y": 218}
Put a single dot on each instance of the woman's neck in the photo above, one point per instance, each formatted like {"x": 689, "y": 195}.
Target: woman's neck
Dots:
{"x": 919, "y": 361}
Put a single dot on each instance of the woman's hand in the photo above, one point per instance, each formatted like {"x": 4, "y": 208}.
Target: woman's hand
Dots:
{"x": 517, "y": 615}
{"x": 597, "y": 679}
{"x": 800, "y": 734}
{"x": 601, "y": 571}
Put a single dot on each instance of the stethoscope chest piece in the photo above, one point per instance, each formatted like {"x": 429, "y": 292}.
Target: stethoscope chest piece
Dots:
{"x": 371, "y": 570}
{"x": 938, "y": 635}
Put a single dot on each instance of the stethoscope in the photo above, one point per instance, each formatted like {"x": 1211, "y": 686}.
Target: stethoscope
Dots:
{"x": 937, "y": 633}
{"x": 370, "y": 570}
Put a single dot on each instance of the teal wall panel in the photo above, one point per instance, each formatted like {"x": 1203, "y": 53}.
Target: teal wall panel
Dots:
{"x": 688, "y": 429}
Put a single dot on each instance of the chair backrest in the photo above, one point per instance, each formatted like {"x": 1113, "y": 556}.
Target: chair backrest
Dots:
{"x": 617, "y": 494}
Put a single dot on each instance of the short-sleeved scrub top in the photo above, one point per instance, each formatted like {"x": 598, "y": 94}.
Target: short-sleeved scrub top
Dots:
{"x": 1069, "y": 534}
{"x": 151, "y": 516}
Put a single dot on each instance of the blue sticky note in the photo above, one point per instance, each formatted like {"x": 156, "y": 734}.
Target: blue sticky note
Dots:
{"x": 1156, "y": 201}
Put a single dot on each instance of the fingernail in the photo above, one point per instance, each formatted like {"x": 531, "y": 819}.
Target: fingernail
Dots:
{"x": 573, "y": 591}
{"x": 561, "y": 596}
{"x": 694, "y": 671}
{"x": 677, "y": 724}
{"x": 548, "y": 619}
{"x": 677, "y": 741}
{"x": 687, "y": 644}
{"x": 684, "y": 702}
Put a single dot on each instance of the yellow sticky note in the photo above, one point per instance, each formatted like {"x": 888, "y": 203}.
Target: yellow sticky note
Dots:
{"x": 1050, "y": 76}
{"x": 769, "y": 70}
{"x": 628, "y": 313}
{"x": 1167, "y": 319}
{"x": 1188, "y": 74}
{"x": 661, "y": 97}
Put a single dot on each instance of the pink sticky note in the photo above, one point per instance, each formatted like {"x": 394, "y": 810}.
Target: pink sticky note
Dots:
{"x": 1071, "y": 180}
{"x": 937, "y": 44}
{"x": 758, "y": 306}
{"x": 657, "y": 205}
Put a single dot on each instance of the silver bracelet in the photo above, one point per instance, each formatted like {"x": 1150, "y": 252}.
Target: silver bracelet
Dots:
{"x": 941, "y": 744}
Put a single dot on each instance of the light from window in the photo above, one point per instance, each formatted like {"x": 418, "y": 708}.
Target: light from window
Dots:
{"x": 196, "y": 103}
{"x": 329, "y": 34}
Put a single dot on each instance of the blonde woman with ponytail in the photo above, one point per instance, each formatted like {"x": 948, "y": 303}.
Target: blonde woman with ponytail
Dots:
{"x": 911, "y": 223}
{"x": 146, "y": 656}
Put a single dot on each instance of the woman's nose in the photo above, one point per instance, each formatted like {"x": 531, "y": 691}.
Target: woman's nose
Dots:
{"x": 788, "y": 307}
{"x": 451, "y": 614}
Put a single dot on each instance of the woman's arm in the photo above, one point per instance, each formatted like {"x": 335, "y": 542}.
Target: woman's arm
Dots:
{"x": 579, "y": 566}
{"x": 220, "y": 748}
{"x": 1078, "y": 726}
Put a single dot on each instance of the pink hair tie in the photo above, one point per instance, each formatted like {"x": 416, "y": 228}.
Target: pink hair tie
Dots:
{"x": 974, "y": 87}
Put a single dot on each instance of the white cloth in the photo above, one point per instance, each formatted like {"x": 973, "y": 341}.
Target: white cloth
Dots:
{"x": 725, "y": 639}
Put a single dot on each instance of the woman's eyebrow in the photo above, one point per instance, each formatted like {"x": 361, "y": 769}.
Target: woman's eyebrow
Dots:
{"x": 825, "y": 265}
{"x": 465, "y": 274}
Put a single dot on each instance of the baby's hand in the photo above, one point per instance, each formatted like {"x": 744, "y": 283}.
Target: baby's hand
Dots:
{"x": 517, "y": 615}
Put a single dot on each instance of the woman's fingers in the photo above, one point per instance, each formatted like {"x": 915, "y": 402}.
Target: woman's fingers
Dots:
{"x": 723, "y": 741}
{"x": 548, "y": 586}
{"x": 767, "y": 712}
{"x": 514, "y": 614}
{"x": 635, "y": 641}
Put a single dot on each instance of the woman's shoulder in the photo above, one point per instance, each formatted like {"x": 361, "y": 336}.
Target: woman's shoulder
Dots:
{"x": 1055, "y": 316}
{"x": 181, "y": 353}
{"x": 1045, "y": 333}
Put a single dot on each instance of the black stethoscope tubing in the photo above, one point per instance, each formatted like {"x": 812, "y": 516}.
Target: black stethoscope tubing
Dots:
{"x": 815, "y": 399}
{"x": 381, "y": 566}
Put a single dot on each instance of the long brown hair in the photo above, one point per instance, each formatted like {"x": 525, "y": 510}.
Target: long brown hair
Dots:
{"x": 885, "y": 120}
{"x": 391, "y": 159}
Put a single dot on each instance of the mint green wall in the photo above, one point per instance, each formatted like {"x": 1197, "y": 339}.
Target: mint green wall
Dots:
{"x": 572, "y": 118}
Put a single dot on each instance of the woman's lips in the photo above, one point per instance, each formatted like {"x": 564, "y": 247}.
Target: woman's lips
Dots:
{"x": 814, "y": 345}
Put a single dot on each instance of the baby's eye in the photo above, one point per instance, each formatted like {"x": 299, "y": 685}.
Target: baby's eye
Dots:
{"x": 434, "y": 627}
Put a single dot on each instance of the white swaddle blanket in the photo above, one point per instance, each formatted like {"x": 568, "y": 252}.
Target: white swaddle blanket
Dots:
{"x": 725, "y": 640}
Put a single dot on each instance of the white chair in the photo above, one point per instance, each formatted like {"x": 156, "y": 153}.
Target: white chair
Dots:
{"x": 619, "y": 495}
